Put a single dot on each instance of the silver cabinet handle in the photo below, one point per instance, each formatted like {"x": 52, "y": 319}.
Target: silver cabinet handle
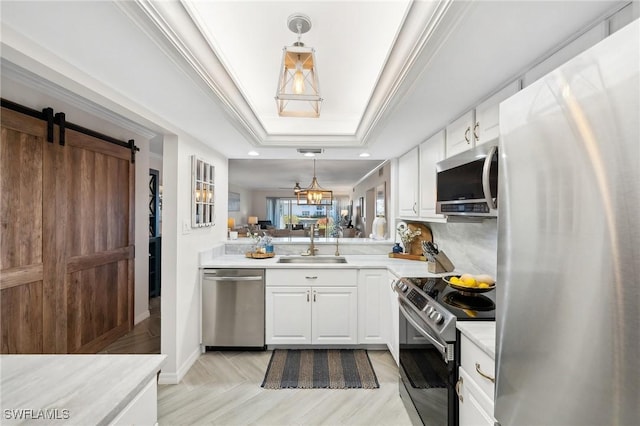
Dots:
{"x": 486, "y": 184}
{"x": 466, "y": 134}
{"x": 312, "y": 278}
{"x": 209, "y": 277}
{"x": 314, "y": 296}
{"x": 486, "y": 376}
{"x": 307, "y": 295}
{"x": 475, "y": 130}
{"x": 458, "y": 384}
{"x": 414, "y": 207}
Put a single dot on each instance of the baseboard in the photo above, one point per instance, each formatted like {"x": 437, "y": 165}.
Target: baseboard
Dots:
{"x": 175, "y": 378}
{"x": 143, "y": 316}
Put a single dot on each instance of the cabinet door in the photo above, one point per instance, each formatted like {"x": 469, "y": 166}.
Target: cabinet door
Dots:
{"x": 460, "y": 134}
{"x": 408, "y": 184}
{"x": 334, "y": 315}
{"x": 471, "y": 403}
{"x": 487, "y": 125}
{"x": 288, "y": 315}
{"x": 373, "y": 306}
{"x": 394, "y": 313}
{"x": 431, "y": 152}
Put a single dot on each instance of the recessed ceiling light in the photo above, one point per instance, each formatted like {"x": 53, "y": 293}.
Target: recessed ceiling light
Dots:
{"x": 365, "y": 154}
{"x": 253, "y": 153}
{"x": 309, "y": 154}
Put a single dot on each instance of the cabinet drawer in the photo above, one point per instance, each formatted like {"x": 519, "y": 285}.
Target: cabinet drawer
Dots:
{"x": 472, "y": 356}
{"x": 474, "y": 407}
{"x": 311, "y": 277}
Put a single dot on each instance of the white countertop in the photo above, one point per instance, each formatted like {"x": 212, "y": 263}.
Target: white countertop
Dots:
{"x": 482, "y": 333}
{"x": 93, "y": 388}
{"x": 399, "y": 267}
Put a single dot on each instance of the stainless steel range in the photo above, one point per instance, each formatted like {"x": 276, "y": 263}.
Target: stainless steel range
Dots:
{"x": 429, "y": 352}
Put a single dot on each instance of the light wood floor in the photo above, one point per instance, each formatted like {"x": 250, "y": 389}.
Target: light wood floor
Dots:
{"x": 223, "y": 388}
{"x": 145, "y": 336}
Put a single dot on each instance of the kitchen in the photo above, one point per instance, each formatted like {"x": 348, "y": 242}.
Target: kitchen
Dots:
{"x": 188, "y": 121}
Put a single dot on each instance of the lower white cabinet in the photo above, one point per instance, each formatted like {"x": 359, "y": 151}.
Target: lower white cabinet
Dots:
{"x": 373, "y": 306}
{"x": 143, "y": 409}
{"x": 393, "y": 310}
{"x": 475, "y": 387}
{"x": 324, "y": 311}
{"x": 472, "y": 402}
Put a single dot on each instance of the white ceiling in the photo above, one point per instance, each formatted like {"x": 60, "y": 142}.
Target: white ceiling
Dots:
{"x": 392, "y": 72}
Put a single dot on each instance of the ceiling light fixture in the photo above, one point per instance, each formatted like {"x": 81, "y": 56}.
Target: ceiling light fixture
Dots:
{"x": 365, "y": 154}
{"x": 298, "y": 93}
{"x": 253, "y": 153}
{"x": 314, "y": 194}
{"x": 297, "y": 188}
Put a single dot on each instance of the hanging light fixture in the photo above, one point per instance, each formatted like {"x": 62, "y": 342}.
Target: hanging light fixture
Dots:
{"x": 315, "y": 194}
{"x": 297, "y": 188}
{"x": 298, "y": 92}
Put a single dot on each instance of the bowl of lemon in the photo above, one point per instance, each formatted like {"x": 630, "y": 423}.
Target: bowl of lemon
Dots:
{"x": 471, "y": 284}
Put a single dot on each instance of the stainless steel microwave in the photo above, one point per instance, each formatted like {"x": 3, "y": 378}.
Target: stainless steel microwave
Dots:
{"x": 467, "y": 183}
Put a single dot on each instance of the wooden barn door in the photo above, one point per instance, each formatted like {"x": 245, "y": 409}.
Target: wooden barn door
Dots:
{"x": 66, "y": 271}
{"x": 99, "y": 242}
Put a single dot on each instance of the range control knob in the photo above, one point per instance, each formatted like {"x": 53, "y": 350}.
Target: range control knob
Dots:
{"x": 438, "y": 318}
{"x": 404, "y": 287}
{"x": 429, "y": 310}
{"x": 433, "y": 314}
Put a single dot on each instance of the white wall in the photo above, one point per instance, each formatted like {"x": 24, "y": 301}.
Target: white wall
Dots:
{"x": 372, "y": 181}
{"x": 181, "y": 245}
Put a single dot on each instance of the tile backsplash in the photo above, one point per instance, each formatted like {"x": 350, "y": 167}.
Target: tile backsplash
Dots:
{"x": 472, "y": 247}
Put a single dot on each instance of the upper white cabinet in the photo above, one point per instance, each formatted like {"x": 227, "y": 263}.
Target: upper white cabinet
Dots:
{"x": 487, "y": 125}
{"x": 408, "y": 176}
{"x": 579, "y": 45}
{"x": 479, "y": 125}
{"x": 431, "y": 152}
{"x": 460, "y": 134}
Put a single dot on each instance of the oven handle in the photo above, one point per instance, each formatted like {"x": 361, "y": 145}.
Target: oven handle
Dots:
{"x": 442, "y": 348}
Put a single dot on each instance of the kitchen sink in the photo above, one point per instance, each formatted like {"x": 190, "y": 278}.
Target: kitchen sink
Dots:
{"x": 312, "y": 259}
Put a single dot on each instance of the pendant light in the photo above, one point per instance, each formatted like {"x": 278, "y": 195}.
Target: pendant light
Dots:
{"x": 314, "y": 194}
{"x": 298, "y": 93}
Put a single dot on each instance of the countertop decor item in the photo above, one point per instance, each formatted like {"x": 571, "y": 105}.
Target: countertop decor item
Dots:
{"x": 464, "y": 288}
{"x": 396, "y": 248}
{"x": 258, "y": 255}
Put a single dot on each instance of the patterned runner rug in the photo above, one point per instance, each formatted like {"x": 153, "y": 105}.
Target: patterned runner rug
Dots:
{"x": 320, "y": 368}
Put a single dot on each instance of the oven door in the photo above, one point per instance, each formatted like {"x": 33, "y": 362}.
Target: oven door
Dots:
{"x": 427, "y": 385}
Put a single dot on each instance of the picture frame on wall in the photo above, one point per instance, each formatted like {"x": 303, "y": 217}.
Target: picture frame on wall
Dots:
{"x": 234, "y": 202}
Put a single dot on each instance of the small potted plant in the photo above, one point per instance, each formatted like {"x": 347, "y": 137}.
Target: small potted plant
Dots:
{"x": 407, "y": 235}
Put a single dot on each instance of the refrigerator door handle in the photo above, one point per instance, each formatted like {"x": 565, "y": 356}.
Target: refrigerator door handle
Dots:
{"x": 486, "y": 185}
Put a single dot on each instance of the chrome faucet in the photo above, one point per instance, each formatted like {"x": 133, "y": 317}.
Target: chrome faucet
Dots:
{"x": 337, "y": 251}
{"x": 312, "y": 249}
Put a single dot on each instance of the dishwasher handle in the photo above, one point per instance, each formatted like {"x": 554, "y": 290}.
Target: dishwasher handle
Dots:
{"x": 211, "y": 277}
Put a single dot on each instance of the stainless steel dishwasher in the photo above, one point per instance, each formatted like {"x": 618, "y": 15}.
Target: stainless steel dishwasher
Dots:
{"x": 233, "y": 308}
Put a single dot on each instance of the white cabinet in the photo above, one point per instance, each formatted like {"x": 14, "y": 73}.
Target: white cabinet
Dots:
{"x": 288, "y": 315}
{"x": 373, "y": 306}
{"x": 475, "y": 386}
{"x": 143, "y": 409}
{"x": 394, "y": 313}
{"x": 472, "y": 402}
{"x": 408, "y": 184}
{"x": 487, "y": 124}
{"x": 334, "y": 315}
{"x": 460, "y": 134}
{"x": 431, "y": 152}
{"x": 311, "y": 306}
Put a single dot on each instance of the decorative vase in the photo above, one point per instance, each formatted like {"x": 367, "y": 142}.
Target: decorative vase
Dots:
{"x": 397, "y": 248}
{"x": 379, "y": 227}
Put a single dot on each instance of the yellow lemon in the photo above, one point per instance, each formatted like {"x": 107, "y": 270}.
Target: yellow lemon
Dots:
{"x": 483, "y": 285}
{"x": 470, "y": 282}
{"x": 454, "y": 280}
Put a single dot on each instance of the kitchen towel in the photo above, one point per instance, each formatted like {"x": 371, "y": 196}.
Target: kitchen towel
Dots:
{"x": 320, "y": 369}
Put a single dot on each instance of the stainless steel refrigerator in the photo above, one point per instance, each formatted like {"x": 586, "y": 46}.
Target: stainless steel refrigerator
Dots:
{"x": 568, "y": 279}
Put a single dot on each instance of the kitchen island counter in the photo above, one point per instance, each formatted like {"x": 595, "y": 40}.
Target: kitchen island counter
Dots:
{"x": 73, "y": 389}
